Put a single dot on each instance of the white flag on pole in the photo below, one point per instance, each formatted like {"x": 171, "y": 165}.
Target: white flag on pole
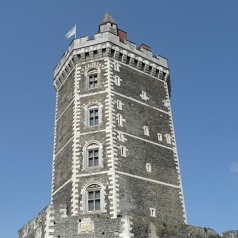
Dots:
{"x": 71, "y": 32}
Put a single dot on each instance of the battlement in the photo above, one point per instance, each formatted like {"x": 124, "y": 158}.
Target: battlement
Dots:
{"x": 102, "y": 40}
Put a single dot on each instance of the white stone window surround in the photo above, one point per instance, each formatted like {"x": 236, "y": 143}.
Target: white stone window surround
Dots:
{"x": 160, "y": 137}
{"x": 92, "y": 77}
{"x": 143, "y": 95}
{"x": 146, "y": 130}
{"x": 168, "y": 138}
{"x": 148, "y": 167}
{"x": 123, "y": 151}
{"x": 116, "y": 66}
{"x": 120, "y": 120}
{"x": 119, "y": 104}
{"x": 152, "y": 212}
{"x": 84, "y": 193}
{"x": 121, "y": 137}
{"x": 93, "y": 106}
{"x": 92, "y": 68}
{"x": 117, "y": 80}
{"x": 92, "y": 145}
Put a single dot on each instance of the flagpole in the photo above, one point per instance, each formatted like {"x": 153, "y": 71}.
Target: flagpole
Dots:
{"x": 75, "y": 32}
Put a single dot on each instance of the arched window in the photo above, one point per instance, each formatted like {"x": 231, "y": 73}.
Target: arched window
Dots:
{"x": 92, "y": 153}
{"x": 93, "y": 197}
{"x": 92, "y": 78}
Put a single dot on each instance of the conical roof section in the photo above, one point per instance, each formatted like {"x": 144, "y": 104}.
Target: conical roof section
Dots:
{"x": 107, "y": 18}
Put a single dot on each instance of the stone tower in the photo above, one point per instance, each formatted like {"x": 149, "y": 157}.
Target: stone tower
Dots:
{"x": 115, "y": 165}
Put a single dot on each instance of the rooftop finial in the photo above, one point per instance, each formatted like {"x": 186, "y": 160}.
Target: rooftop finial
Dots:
{"x": 107, "y": 18}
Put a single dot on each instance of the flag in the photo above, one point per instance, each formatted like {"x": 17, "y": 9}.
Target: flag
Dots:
{"x": 71, "y": 32}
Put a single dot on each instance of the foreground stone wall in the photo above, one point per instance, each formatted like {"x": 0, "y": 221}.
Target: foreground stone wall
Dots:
{"x": 53, "y": 221}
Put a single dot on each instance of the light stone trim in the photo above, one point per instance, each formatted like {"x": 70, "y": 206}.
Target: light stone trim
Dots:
{"x": 144, "y": 96}
{"x": 64, "y": 146}
{"x": 92, "y": 132}
{"x": 92, "y": 94}
{"x": 126, "y": 227}
{"x": 65, "y": 110}
{"x": 49, "y": 222}
{"x": 54, "y": 146}
{"x": 175, "y": 153}
{"x": 132, "y": 99}
{"x": 136, "y": 137}
{"x": 91, "y": 173}
{"x": 148, "y": 180}
{"x": 76, "y": 152}
{"x": 110, "y": 142}
{"x": 58, "y": 189}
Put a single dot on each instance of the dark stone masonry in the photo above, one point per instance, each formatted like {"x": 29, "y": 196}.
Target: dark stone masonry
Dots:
{"x": 115, "y": 165}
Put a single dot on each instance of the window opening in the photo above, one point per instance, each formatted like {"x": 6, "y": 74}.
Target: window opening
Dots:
{"x": 94, "y": 197}
{"x": 148, "y": 167}
{"x": 93, "y": 117}
{"x": 93, "y": 157}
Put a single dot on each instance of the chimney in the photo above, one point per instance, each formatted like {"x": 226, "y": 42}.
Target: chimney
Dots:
{"x": 145, "y": 47}
{"x": 122, "y": 36}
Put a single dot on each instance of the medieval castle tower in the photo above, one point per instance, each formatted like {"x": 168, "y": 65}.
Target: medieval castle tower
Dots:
{"x": 115, "y": 165}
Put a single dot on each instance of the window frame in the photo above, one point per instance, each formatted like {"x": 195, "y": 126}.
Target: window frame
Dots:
{"x": 95, "y": 190}
{"x": 93, "y": 71}
{"x": 92, "y": 145}
{"x": 98, "y": 116}
{"x": 84, "y": 205}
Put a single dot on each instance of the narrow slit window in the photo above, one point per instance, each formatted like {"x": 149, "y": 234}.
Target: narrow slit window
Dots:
{"x": 146, "y": 131}
{"x": 116, "y": 66}
{"x": 168, "y": 139}
{"x": 123, "y": 151}
{"x": 148, "y": 167}
{"x": 119, "y": 104}
{"x": 120, "y": 122}
{"x": 160, "y": 137}
{"x": 117, "y": 80}
{"x": 153, "y": 212}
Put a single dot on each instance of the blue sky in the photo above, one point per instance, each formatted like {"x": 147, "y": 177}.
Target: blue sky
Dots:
{"x": 199, "y": 38}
